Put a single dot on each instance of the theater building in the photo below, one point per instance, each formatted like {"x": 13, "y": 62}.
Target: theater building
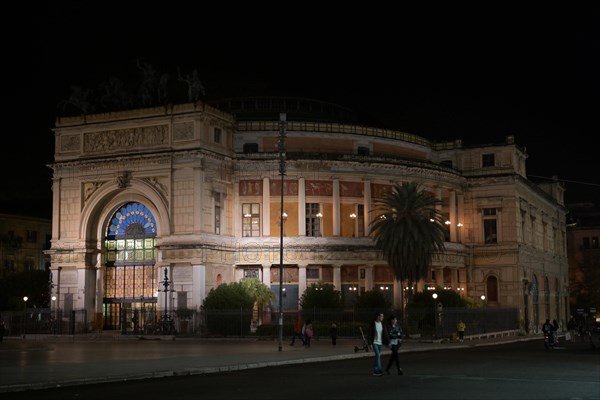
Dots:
{"x": 191, "y": 193}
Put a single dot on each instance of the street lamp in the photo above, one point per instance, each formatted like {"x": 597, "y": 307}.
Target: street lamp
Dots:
{"x": 283, "y": 219}
{"x": 435, "y": 296}
{"x": 353, "y": 217}
{"x": 25, "y": 298}
{"x": 53, "y": 318}
{"x": 459, "y": 226}
{"x": 320, "y": 217}
{"x": 167, "y": 326}
{"x": 482, "y": 297}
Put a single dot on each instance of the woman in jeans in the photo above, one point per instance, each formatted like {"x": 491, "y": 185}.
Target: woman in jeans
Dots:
{"x": 395, "y": 333}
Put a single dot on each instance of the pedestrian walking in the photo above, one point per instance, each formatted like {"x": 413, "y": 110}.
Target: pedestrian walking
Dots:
{"x": 460, "y": 328}
{"x": 572, "y": 329}
{"x": 333, "y": 333}
{"x": 378, "y": 336}
{"x": 308, "y": 332}
{"x": 297, "y": 331}
{"x": 395, "y": 332}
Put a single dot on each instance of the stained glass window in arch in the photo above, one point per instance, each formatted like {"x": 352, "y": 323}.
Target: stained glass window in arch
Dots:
{"x": 130, "y": 235}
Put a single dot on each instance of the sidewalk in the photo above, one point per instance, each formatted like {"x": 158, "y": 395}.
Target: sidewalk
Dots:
{"x": 46, "y": 362}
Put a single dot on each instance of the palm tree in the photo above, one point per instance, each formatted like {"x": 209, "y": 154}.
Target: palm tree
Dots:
{"x": 261, "y": 293}
{"x": 408, "y": 229}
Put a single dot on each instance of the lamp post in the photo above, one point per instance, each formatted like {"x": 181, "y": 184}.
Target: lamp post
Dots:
{"x": 459, "y": 226}
{"x": 166, "y": 323}
{"x": 482, "y": 297}
{"x": 25, "y": 298}
{"x": 353, "y": 218}
{"x": 281, "y": 149}
{"x": 435, "y": 296}
{"x": 53, "y": 318}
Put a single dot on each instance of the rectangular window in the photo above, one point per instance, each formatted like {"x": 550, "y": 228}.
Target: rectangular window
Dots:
{"x": 251, "y": 273}
{"x": 217, "y": 136}
{"x": 490, "y": 228}
{"x": 586, "y": 243}
{"x": 312, "y": 273}
{"x": 217, "y": 213}
{"x": 488, "y": 160}
{"x": 32, "y": 236}
{"x": 250, "y": 219}
{"x": 313, "y": 219}
{"x": 490, "y": 232}
{"x": 360, "y": 220}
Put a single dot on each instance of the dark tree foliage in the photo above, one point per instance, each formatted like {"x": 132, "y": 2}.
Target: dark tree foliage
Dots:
{"x": 228, "y": 296}
{"x": 373, "y": 299}
{"x": 321, "y": 295}
{"x": 33, "y": 284}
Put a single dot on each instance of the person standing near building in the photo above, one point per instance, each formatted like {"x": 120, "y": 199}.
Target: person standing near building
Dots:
{"x": 460, "y": 328}
{"x": 395, "y": 333}
{"x": 333, "y": 333}
{"x": 378, "y": 336}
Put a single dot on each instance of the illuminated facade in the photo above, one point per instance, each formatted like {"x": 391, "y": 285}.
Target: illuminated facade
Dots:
{"x": 193, "y": 192}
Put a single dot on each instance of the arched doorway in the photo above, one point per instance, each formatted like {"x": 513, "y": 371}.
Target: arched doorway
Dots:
{"x": 129, "y": 279}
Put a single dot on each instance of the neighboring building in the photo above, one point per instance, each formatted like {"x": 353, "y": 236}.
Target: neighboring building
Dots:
{"x": 23, "y": 241}
{"x": 583, "y": 240}
{"x": 193, "y": 191}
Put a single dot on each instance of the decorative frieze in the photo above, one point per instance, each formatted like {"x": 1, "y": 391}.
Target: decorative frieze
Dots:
{"x": 119, "y": 139}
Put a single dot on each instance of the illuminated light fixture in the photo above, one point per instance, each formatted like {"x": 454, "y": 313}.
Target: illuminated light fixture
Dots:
{"x": 319, "y": 215}
{"x": 352, "y": 215}
{"x": 460, "y": 225}
{"x": 447, "y": 222}
{"x": 382, "y": 216}
{"x": 284, "y": 215}
{"x": 431, "y": 220}
{"x": 247, "y": 215}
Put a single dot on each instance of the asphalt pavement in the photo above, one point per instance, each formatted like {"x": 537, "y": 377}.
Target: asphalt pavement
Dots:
{"x": 40, "y": 362}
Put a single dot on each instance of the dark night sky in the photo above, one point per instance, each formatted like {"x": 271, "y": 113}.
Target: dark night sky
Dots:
{"x": 445, "y": 77}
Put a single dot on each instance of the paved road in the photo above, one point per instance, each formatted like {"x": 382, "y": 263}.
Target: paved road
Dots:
{"x": 37, "y": 363}
{"x": 519, "y": 370}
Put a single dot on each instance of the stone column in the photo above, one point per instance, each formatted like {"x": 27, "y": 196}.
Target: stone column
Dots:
{"x": 266, "y": 212}
{"x": 368, "y": 277}
{"x": 301, "y": 280}
{"x": 337, "y": 277}
{"x": 367, "y": 206}
{"x": 336, "y": 206}
{"x": 301, "y": 207}
{"x": 452, "y": 215}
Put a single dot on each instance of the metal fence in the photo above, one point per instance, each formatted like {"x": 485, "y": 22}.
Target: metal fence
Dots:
{"x": 246, "y": 322}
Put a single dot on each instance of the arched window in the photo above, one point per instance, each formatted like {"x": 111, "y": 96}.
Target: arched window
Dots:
{"x": 536, "y": 298}
{"x": 557, "y": 298}
{"x": 129, "y": 262}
